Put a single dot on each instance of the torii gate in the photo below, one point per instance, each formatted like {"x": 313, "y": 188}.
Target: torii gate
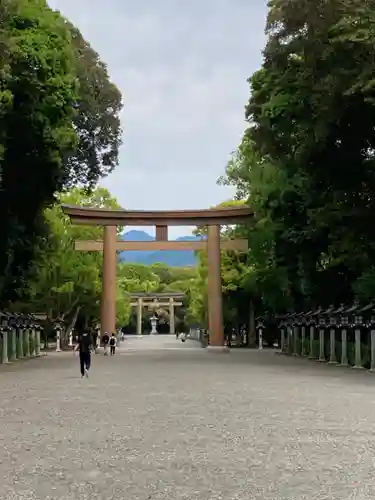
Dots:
{"x": 143, "y": 299}
{"x": 212, "y": 218}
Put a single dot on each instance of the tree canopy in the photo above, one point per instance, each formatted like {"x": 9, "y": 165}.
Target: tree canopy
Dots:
{"x": 306, "y": 161}
{"x": 59, "y": 125}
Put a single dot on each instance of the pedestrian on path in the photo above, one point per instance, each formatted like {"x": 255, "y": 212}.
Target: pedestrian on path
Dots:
{"x": 228, "y": 336}
{"x": 105, "y": 340}
{"x": 84, "y": 346}
{"x": 95, "y": 340}
{"x": 113, "y": 344}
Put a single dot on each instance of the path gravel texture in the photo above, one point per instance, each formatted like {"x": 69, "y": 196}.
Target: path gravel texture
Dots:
{"x": 155, "y": 422}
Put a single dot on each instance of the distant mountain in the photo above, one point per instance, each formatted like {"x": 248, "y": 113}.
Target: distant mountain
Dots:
{"x": 137, "y": 256}
{"x": 172, "y": 258}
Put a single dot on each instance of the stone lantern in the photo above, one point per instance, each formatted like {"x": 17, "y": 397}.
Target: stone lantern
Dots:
{"x": 290, "y": 331}
{"x": 38, "y": 329}
{"x": 3, "y": 322}
{"x": 369, "y": 312}
{"x": 334, "y": 319}
{"x": 280, "y": 324}
{"x": 314, "y": 324}
{"x": 297, "y": 333}
{"x": 344, "y": 325}
{"x": 4, "y": 328}
{"x": 154, "y": 322}
{"x": 304, "y": 323}
{"x": 32, "y": 324}
{"x": 29, "y": 334}
{"x": 97, "y": 331}
{"x": 18, "y": 323}
{"x": 358, "y": 325}
{"x": 310, "y": 322}
{"x": 12, "y": 322}
{"x": 325, "y": 321}
{"x": 27, "y": 328}
{"x": 322, "y": 324}
{"x": 58, "y": 328}
{"x": 284, "y": 333}
{"x": 260, "y": 330}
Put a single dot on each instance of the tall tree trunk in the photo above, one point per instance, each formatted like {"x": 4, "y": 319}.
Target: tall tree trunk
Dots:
{"x": 71, "y": 325}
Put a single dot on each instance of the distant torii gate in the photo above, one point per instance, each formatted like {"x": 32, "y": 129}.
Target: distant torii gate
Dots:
{"x": 212, "y": 218}
{"x": 152, "y": 300}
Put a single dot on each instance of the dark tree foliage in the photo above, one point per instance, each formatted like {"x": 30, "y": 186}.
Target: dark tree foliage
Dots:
{"x": 54, "y": 93}
{"x": 97, "y": 120}
{"x": 307, "y": 158}
{"x": 36, "y": 127}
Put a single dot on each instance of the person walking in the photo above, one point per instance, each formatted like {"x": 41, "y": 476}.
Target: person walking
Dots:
{"x": 228, "y": 336}
{"x": 105, "y": 340}
{"x": 84, "y": 346}
{"x": 95, "y": 340}
{"x": 113, "y": 344}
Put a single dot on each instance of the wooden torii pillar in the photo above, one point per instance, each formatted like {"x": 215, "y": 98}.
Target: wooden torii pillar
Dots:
{"x": 212, "y": 218}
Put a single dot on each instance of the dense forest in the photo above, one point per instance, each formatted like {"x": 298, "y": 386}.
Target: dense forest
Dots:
{"x": 305, "y": 166}
{"x": 306, "y": 160}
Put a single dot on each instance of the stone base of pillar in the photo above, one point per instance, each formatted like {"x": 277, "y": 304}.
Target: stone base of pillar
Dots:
{"x": 218, "y": 348}
{"x": 357, "y": 367}
{"x": 343, "y": 365}
{"x": 332, "y": 363}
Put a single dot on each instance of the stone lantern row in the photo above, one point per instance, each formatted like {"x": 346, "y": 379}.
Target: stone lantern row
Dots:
{"x": 316, "y": 334}
{"x": 20, "y": 336}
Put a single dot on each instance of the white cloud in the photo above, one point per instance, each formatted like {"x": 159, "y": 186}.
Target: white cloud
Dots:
{"x": 182, "y": 69}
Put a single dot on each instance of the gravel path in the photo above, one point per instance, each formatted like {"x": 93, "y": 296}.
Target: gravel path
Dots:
{"x": 155, "y": 423}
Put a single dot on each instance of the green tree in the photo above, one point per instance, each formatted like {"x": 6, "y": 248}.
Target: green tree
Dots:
{"x": 306, "y": 161}
{"x": 38, "y": 89}
{"x": 98, "y": 122}
{"x": 59, "y": 126}
{"x": 135, "y": 278}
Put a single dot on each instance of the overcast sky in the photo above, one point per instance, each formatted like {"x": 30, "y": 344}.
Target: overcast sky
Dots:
{"x": 182, "y": 68}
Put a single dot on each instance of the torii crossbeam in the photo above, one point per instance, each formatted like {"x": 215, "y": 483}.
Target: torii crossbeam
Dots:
{"x": 212, "y": 218}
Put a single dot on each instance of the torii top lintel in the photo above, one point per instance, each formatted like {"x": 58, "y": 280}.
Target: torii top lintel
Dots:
{"x": 105, "y": 217}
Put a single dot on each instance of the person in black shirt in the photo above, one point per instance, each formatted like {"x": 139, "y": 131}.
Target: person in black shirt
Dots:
{"x": 105, "y": 340}
{"x": 113, "y": 344}
{"x": 228, "y": 336}
{"x": 84, "y": 346}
